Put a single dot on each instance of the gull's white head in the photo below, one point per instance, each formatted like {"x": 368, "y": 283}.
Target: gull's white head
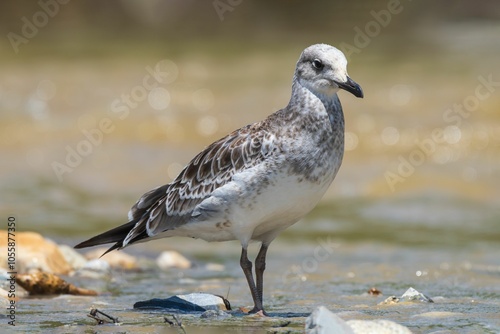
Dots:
{"x": 323, "y": 70}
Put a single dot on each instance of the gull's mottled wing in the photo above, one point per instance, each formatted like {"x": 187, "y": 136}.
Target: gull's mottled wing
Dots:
{"x": 167, "y": 207}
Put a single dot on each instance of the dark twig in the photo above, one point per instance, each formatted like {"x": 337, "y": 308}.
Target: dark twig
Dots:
{"x": 94, "y": 314}
{"x": 171, "y": 323}
{"x": 176, "y": 323}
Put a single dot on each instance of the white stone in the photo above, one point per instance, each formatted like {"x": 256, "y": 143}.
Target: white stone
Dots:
{"x": 412, "y": 295}
{"x": 438, "y": 314}
{"x": 377, "y": 327}
{"x": 205, "y": 300}
{"x": 215, "y": 267}
{"x": 322, "y": 321}
{"x": 172, "y": 259}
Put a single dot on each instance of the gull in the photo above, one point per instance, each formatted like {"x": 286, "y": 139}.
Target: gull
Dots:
{"x": 258, "y": 180}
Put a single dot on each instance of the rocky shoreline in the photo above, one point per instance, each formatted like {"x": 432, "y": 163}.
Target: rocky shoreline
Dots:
{"x": 44, "y": 268}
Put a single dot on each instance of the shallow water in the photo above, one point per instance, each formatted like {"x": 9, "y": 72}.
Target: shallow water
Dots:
{"x": 463, "y": 284}
{"x": 327, "y": 259}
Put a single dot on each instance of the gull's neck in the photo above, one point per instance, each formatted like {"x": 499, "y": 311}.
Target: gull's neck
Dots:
{"x": 304, "y": 95}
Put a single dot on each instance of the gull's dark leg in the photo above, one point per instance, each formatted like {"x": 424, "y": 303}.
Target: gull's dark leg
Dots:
{"x": 260, "y": 266}
{"x": 246, "y": 266}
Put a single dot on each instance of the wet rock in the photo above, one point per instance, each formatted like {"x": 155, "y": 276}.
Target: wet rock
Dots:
{"x": 172, "y": 303}
{"x": 193, "y": 302}
{"x": 172, "y": 259}
{"x": 117, "y": 259}
{"x": 392, "y": 300}
{"x": 322, "y": 321}
{"x": 412, "y": 295}
{"x": 34, "y": 253}
{"x": 377, "y": 327}
{"x": 95, "y": 269}
{"x": 215, "y": 315}
{"x": 49, "y": 284}
{"x": 72, "y": 257}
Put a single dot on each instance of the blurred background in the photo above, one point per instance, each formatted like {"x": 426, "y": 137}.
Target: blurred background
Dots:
{"x": 65, "y": 68}
{"x": 101, "y": 101}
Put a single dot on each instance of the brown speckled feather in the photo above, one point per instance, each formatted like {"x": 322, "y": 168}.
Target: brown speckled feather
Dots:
{"x": 171, "y": 205}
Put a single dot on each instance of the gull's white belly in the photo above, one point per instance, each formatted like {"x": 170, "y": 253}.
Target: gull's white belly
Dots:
{"x": 279, "y": 207}
{"x": 246, "y": 210}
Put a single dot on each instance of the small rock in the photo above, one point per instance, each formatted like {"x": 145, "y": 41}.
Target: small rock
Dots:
{"x": 215, "y": 315}
{"x": 215, "y": 267}
{"x": 207, "y": 301}
{"x": 377, "y": 327}
{"x": 95, "y": 269}
{"x": 119, "y": 259}
{"x": 322, "y": 321}
{"x": 72, "y": 257}
{"x": 49, "y": 284}
{"x": 438, "y": 314}
{"x": 172, "y": 259}
{"x": 193, "y": 302}
{"x": 390, "y": 301}
{"x": 374, "y": 291}
{"x": 412, "y": 295}
{"x": 34, "y": 253}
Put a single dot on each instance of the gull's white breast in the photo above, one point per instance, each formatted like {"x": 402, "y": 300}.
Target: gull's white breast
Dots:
{"x": 256, "y": 205}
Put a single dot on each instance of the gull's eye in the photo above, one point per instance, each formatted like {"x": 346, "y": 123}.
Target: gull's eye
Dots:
{"x": 317, "y": 64}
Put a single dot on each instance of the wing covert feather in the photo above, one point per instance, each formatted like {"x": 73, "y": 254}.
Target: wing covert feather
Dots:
{"x": 169, "y": 206}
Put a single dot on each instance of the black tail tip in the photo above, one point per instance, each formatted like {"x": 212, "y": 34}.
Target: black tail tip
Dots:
{"x": 82, "y": 245}
{"x": 89, "y": 243}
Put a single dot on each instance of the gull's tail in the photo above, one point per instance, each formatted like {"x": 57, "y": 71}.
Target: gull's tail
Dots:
{"x": 135, "y": 229}
{"x": 116, "y": 235}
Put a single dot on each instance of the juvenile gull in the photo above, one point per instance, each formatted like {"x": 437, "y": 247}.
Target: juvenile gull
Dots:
{"x": 258, "y": 180}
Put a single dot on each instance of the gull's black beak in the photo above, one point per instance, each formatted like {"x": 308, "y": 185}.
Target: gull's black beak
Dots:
{"x": 352, "y": 87}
